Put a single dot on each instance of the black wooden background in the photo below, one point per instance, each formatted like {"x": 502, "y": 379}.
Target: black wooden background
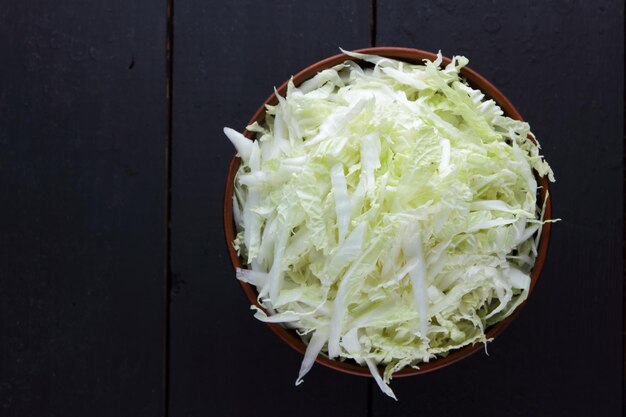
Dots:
{"x": 116, "y": 295}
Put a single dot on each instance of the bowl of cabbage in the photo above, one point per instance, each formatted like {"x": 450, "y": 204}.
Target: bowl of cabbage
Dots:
{"x": 387, "y": 212}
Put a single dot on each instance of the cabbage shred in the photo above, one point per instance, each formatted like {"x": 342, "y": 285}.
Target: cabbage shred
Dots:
{"x": 389, "y": 213}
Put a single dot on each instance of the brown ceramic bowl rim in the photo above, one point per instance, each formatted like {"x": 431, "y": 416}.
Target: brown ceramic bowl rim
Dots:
{"x": 414, "y": 56}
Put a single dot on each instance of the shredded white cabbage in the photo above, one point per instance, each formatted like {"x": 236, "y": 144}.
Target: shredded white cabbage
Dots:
{"x": 389, "y": 213}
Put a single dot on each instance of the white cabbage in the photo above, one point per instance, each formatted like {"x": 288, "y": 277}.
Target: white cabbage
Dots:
{"x": 389, "y": 214}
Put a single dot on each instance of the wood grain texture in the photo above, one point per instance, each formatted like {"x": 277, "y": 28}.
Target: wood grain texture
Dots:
{"x": 82, "y": 175}
{"x": 561, "y": 64}
{"x": 227, "y": 58}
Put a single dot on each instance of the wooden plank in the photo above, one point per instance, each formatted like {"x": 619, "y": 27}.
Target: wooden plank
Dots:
{"x": 82, "y": 156}
{"x": 561, "y": 64}
{"x": 227, "y": 58}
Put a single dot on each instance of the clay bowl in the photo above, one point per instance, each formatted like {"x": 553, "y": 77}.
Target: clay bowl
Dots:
{"x": 290, "y": 336}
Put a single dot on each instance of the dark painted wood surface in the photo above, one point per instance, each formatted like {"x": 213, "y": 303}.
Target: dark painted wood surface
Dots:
{"x": 86, "y": 182}
{"x": 227, "y": 60}
{"x": 561, "y": 64}
{"x": 82, "y": 232}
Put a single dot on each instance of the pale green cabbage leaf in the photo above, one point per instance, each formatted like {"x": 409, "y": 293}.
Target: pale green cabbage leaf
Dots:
{"x": 387, "y": 212}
